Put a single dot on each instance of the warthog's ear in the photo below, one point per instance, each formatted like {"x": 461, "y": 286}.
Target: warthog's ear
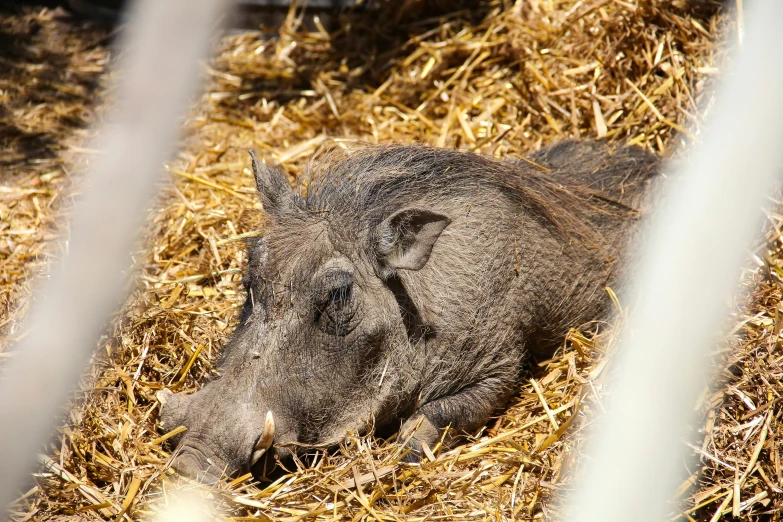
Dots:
{"x": 405, "y": 239}
{"x": 276, "y": 194}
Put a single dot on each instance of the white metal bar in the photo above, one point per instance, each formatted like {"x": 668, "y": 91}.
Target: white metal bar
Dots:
{"x": 690, "y": 264}
{"x": 158, "y": 73}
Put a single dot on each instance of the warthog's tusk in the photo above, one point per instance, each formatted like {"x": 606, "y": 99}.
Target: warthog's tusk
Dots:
{"x": 265, "y": 440}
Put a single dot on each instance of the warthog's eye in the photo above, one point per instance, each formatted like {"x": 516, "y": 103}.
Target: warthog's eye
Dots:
{"x": 340, "y": 296}
{"x": 334, "y": 303}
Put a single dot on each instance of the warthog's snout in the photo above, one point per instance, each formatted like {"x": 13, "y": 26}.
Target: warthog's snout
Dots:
{"x": 202, "y": 454}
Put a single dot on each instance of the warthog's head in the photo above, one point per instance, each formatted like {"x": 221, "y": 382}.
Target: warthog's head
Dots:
{"x": 317, "y": 352}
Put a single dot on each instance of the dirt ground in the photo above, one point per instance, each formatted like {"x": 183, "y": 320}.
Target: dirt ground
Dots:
{"x": 500, "y": 78}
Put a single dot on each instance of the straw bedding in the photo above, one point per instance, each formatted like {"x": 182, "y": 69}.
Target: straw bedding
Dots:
{"x": 501, "y": 78}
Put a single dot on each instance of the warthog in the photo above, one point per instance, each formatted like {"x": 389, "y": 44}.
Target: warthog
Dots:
{"x": 403, "y": 293}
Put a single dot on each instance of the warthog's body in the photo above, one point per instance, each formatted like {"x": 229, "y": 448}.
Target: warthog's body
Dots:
{"x": 410, "y": 282}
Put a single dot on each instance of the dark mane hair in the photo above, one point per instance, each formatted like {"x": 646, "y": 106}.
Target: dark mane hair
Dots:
{"x": 570, "y": 193}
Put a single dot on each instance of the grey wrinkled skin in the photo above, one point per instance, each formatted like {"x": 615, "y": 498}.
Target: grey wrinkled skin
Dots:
{"x": 404, "y": 291}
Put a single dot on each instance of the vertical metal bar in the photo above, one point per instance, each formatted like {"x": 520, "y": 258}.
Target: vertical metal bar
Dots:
{"x": 698, "y": 241}
{"x": 158, "y": 73}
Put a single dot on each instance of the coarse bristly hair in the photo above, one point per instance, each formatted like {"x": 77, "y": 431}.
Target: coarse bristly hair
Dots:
{"x": 571, "y": 186}
{"x": 407, "y": 285}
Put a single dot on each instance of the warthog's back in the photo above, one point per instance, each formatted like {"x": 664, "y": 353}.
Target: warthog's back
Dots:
{"x": 611, "y": 185}
{"x": 621, "y": 173}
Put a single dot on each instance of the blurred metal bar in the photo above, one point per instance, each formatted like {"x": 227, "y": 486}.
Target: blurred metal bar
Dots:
{"x": 319, "y": 4}
{"x": 158, "y": 73}
{"x": 251, "y": 14}
{"x": 697, "y": 242}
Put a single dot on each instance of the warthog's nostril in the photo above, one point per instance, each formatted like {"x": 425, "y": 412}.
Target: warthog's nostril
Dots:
{"x": 191, "y": 466}
{"x": 187, "y": 465}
